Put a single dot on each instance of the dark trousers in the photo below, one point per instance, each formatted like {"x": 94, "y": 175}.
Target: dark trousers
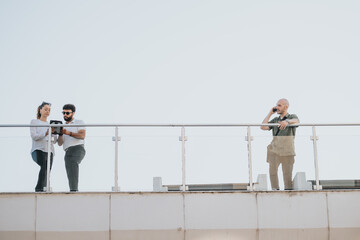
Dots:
{"x": 40, "y": 158}
{"x": 73, "y": 157}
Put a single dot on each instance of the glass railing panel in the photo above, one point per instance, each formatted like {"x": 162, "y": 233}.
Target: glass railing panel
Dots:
{"x": 216, "y": 155}
{"x": 145, "y": 153}
{"x": 303, "y": 149}
{"x": 97, "y": 167}
{"x": 18, "y": 172}
{"x": 261, "y": 139}
{"x": 338, "y": 152}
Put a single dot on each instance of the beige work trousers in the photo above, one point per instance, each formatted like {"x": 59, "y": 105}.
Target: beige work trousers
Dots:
{"x": 287, "y": 163}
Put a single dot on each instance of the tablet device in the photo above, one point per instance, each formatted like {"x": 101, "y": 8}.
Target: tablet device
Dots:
{"x": 57, "y": 129}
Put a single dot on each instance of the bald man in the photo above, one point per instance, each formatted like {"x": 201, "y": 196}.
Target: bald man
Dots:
{"x": 281, "y": 150}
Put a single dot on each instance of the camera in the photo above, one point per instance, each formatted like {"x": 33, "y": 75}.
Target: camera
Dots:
{"x": 57, "y": 130}
{"x": 274, "y": 109}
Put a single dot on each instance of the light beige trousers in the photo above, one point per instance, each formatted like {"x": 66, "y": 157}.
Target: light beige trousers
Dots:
{"x": 287, "y": 163}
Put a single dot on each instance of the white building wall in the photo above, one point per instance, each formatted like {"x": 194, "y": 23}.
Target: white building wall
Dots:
{"x": 17, "y": 216}
{"x": 327, "y": 215}
{"x": 67, "y": 214}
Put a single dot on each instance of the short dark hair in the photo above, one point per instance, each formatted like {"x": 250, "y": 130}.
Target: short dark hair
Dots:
{"x": 69, "y": 106}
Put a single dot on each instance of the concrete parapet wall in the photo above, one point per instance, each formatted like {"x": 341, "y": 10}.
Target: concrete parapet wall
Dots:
{"x": 320, "y": 215}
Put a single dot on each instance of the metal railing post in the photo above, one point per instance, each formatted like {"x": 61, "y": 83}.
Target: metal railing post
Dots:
{"x": 116, "y": 167}
{"x": 48, "y": 162}
{"x": 314, "y": 138}
{"x": 183, "y": 138}
{"x": 249, "y": 138}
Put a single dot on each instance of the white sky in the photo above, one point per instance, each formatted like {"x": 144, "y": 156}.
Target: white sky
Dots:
{"x": 178, "y": 62}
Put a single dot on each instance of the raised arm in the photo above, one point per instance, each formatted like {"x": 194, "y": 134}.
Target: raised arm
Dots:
{"x": 266, "y": 120}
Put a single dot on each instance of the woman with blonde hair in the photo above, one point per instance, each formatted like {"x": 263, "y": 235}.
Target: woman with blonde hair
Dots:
{"x": 39, "y": 150}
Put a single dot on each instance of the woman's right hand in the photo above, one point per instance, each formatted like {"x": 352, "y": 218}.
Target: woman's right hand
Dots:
{"x": 47, "y": 131}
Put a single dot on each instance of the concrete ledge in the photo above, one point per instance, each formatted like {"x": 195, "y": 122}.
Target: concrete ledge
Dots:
{"x": 73, "y": 235}
{"x": 177, "y": 234}
{"x": 345, "y": 233}
{"x": 280, "y": 215}
{"x": 17, "y": 235}
{"x": 308, "y": 234}
{"x": 221, "y": 234}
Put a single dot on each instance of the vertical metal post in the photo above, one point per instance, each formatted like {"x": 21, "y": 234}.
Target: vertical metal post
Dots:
{"x": 249, "y": 139}
{"x": 116, "y": 175}
{"x": 48, "y": 162}
{"x": 183, "y": 139}
{"x": 314, "y": 138}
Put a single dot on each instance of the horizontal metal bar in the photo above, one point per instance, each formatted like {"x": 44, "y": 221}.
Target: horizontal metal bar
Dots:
{"x": 180, "y": 125}
{"x": 211, "y": 187}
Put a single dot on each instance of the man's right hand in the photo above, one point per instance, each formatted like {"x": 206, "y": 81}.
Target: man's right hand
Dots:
{"x": 272, "y": 111}
{"x": 267, "y": 118}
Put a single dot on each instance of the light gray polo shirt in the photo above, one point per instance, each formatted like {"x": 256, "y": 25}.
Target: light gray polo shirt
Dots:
{"x": 71, "y": 141}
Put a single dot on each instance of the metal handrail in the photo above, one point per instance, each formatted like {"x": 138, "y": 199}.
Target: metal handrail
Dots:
{"x": 181, "y": 125}
{"x": 183, "y": 138}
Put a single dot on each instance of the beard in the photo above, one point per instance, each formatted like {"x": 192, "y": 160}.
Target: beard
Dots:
{"x": 68, "y": 119}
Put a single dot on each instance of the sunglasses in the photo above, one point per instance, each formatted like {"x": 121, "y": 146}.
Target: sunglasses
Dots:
{"x": 67, "y": 113}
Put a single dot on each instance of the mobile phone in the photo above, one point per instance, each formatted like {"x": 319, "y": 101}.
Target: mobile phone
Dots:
{"x": 274, "y": 109}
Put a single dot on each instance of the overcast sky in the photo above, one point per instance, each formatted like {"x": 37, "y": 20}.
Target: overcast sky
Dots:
{"x": 177, "y": 62}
